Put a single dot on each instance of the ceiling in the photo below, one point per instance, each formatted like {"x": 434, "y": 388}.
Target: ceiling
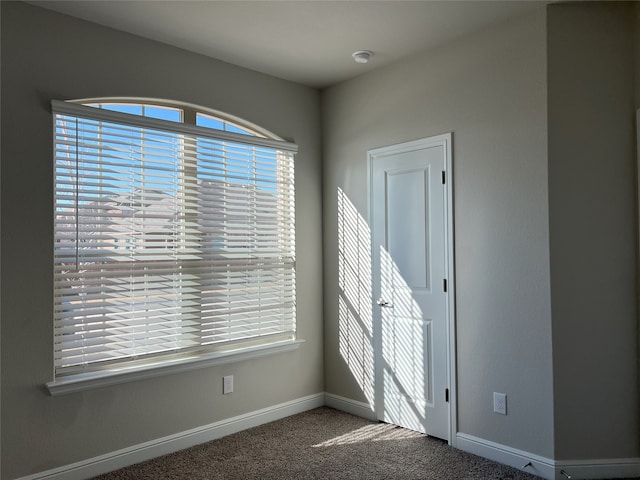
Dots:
{"x": 305, "y": 41}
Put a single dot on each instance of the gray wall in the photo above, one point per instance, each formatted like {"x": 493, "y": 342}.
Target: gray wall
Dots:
{"x": 636, "y": 42}
{"x": 593, "y": 229}
{"x": 489, "y": 89}
{"x": 45, "y": 56}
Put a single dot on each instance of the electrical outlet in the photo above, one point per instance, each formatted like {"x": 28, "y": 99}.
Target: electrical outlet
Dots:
{"x": 499, "y": 403}
{"x": 227, "y": 384}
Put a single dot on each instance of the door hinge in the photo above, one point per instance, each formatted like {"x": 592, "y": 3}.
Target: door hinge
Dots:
{"x": 446, "y": 395}
{"x": 444, "y": 284}
{"x": 443, "y": 177}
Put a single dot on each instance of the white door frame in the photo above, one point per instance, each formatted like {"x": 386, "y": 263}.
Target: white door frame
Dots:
{"x": 446, "y": 141}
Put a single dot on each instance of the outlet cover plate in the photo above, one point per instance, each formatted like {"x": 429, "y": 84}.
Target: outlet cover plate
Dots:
{"x": 227, "y": 384}
{"x": 499, "y": 403}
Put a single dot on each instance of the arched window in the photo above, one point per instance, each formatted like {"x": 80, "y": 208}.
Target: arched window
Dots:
{"x": 174, "y": 236}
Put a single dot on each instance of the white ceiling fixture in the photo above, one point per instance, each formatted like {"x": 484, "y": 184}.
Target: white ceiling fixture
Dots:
{"x": 305, "y": 41}
{"x": 362, "y": 56}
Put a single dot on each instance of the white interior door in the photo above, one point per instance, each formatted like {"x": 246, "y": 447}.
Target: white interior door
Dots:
{"x": 409, "y": 218}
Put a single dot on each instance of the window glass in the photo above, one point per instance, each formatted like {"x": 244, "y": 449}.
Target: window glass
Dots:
{"x": 163, "y": 113}
{"x": 133, "y": 109}
{"x": 152, "y": 111}
{"x": 209, "y": 121}
{"x": 232, "y": 128}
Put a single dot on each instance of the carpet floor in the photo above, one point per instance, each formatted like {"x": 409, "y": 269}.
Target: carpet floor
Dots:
{"x": 321, "y": 444}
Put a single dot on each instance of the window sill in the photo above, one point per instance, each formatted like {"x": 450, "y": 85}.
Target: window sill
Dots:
{"x": 86, "y": 381}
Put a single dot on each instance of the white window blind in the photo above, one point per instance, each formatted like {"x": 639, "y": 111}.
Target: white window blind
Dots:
{"x": 170, "y": 239}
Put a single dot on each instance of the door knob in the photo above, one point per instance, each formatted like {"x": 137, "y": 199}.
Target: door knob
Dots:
{"x": 383, "y": 303}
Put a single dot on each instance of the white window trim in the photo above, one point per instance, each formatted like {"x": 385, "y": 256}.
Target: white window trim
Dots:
{"x": 120, "y": 374}
{"x": 86, "y": 381}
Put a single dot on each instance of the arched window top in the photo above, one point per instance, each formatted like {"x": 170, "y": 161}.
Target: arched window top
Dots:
{"x": 179, "y": 112}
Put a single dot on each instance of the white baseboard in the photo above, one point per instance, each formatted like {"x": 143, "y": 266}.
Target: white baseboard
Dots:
{"x": 547, "y": 468}
{"x": 172, "y": 443}
{"x": 353, "y": 407}
{"x": 543, "y": 467}
{"x": 593, "y": 469}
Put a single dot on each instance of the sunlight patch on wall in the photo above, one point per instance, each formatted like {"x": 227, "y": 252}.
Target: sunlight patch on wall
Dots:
{"x": 355, "y": 300}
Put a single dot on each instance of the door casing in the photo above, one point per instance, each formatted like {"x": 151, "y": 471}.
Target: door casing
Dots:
{"x": 446, "y": 141}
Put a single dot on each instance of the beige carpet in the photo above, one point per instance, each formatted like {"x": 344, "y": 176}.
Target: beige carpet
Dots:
{"x": 321, "y": 444}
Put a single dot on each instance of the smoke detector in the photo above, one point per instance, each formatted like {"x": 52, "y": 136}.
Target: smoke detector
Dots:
{"x": 362, "y": 56}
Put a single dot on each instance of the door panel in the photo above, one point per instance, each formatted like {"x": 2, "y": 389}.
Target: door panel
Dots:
{"x": 407, "y": 236}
